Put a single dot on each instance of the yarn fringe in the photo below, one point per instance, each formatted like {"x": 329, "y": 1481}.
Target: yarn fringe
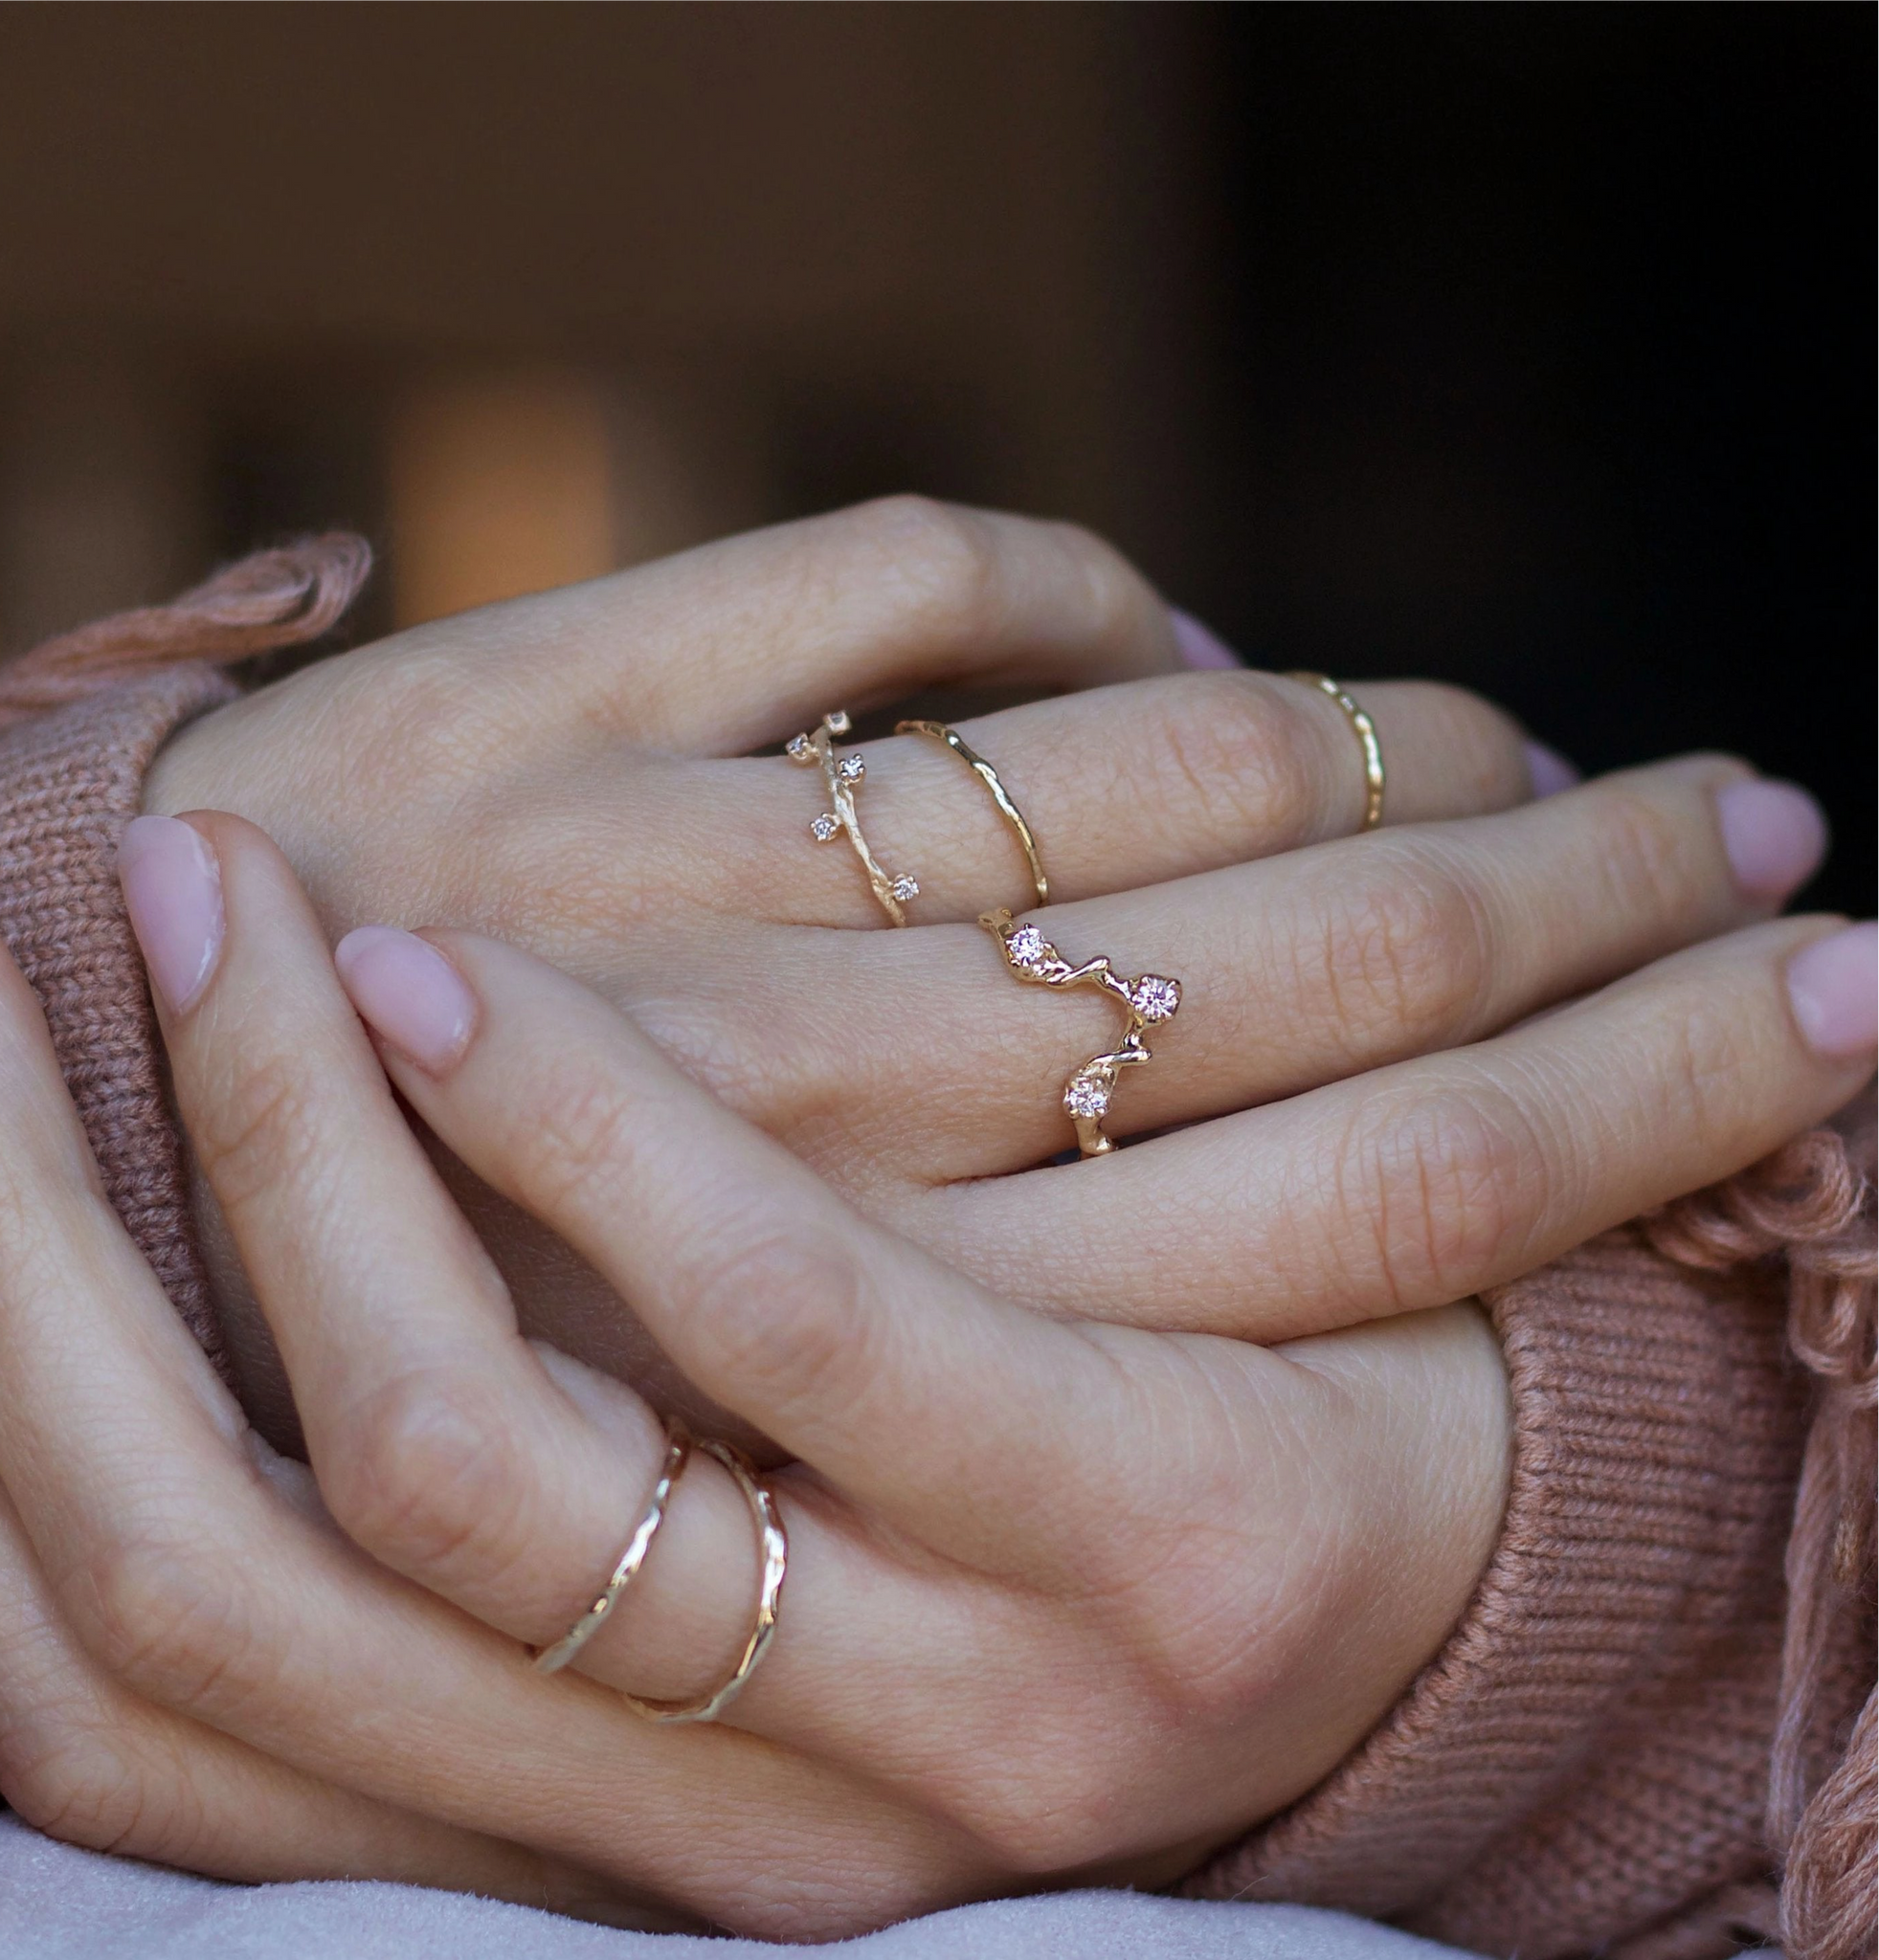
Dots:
{"x": 277, "y": 598}
{"x": 1811, "y": 1205}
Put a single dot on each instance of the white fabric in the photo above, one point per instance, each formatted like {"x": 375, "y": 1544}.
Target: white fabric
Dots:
{"x": 59, "y": 1904}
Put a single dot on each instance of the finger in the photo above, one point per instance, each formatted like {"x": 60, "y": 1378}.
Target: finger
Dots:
{"x": 190, "y": 1581}
{"x": 459, "y": 1458}
{"x": 1297, "y": 970}
{"x": 722, "y": 649}
{"x": 88, "y": 1763}
{"x": 761, "y": 1285}
{"x": 1120, "y": 787}
{"x": 390, "y": 1320}
{"x": 1432, "y": 1179}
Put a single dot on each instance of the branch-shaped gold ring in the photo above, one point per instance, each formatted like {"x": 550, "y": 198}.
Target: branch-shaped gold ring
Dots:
{"x": 841, "y": 775}
{"x": 1146, "y": 1001}
{"x": 1365, "y": 731}
{"x": 938, "y": 731}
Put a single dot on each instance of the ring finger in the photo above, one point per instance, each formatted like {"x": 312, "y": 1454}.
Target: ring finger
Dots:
{"x": 1121, "y": 786}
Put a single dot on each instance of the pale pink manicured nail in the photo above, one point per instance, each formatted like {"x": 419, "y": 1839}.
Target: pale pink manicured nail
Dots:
{"x": 1548, "y": 771}
{"x": 172, "y": 888}
{"x": 1197, "y": 646}
{"x": 408, "y": 993}
{"x": 1774, "y": 833}
{"x": 1834, "y": 986}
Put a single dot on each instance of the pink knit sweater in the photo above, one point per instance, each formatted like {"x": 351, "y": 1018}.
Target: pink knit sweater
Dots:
{"x": 1659, "y": 1698}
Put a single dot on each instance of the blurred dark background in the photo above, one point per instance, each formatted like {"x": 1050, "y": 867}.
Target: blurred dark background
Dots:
{"x": 1531, "y": 347}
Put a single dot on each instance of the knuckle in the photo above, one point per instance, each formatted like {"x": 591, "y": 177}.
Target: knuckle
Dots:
{"x": 1703, "y": 1071}
{"x": 422, "y": 1478}
{"x": 259, "y": 1129}
{"x": 1441, "y": 1182}
{"x": 574, "y": 1137}
{"x": 80, "y": 1786}
{"x": 1223, "y": 751}
{"x": 1057, "y": 1817}
{"x": 787, "y": 1316}
{"x": 1414, "y": 956}
{"x": 942, "y": 558}
{"x": 171, "y": 1619}
{"x": 1484, "y": 747}
{"x": 1644, "y": 852}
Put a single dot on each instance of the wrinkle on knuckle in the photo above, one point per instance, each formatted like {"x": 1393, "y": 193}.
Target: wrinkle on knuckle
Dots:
{"x": 1441, "y": 1184}
{"x": 1411, "y": 961}
{"x": 941, "y": 560}
{"x": 259, "y": 1132}
{"x": 1221, "y": 753}
{"x": 1644, "y": 852}
{"x": 423, "y": 1479}
{"x": 80, "y": 1787}
{"x": 787, "y": 1315}
{"x": 573, "y": 1136}
{"x": 174, "y": 1620}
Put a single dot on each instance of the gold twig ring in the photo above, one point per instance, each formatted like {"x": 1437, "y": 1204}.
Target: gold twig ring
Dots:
{"x": 1146, "y": 1002}
{"x": 842, "y": 777}
{"x": 774, "y": 1544}
{"x": 1366, "y": 733}
{"x": 678, "y": 1448}
{"x": 938, "y": 731}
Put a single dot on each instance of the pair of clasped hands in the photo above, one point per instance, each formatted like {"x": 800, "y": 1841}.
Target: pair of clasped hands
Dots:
{"x": 1124, "y": 1496}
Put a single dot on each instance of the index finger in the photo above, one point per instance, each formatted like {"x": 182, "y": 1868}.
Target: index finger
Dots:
{"x": 738, "y": 643}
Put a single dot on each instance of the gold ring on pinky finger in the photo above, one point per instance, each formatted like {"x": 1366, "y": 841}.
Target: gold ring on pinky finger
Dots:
{"x": 1365, "y": 731}
{"x": 772, "y": 1542}
{"x": 678, "y": 1448}
{"x": 938, "y": 731}
{"x": 842, "y": 777}
{"x": 1147, "y": 1001}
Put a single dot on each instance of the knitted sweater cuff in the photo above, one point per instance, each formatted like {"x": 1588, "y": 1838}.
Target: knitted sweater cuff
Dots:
{"x": 69, "y": 779}
{"x": 1587, "y": 1756}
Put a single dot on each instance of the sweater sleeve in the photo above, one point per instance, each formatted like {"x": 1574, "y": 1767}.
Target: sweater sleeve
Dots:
{"x": 1584, "y": 1768}
{"x": 69, "y": 779}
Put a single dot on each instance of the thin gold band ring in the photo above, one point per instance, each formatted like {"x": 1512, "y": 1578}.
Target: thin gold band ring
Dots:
{"x": 1366, "y": 733}
{"x": 678, "y": 1448}
{"x": 938, "y": 731}
{"x": 774, "y": 1544}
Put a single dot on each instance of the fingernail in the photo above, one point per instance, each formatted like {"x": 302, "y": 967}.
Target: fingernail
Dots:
{"x": 1549, "y": 772}
{"x": 1197, "y": 646}
{"x": 1774, "y": 833}
{"x": 172, "y": 888}
{"x": 407, "y": 991}
{"x": 1834, "y": 986}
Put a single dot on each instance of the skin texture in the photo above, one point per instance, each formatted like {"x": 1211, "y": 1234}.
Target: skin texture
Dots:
{"x": 1224, "y": 1559}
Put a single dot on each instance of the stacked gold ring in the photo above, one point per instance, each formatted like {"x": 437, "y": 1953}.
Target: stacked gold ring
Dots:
{"x": 950, "y": 738}
{"x": 773, "y": 1544}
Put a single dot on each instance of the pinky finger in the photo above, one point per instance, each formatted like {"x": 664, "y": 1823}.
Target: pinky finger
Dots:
{"x": 87, "y": 1762}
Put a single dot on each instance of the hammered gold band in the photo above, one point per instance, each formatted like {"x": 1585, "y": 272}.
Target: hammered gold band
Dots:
{"x": 938, "y": 731}
{"x": 1147, "y": 1001}
{"x": 1366, "y": 733}
{"x": 774, "y": 1544}
{"x": 841, "y": 776}
{"x": 678, "y": 1448}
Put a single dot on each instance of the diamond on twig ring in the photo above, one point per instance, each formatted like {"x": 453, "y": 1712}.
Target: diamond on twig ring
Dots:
{"x": 842, "y": 777}
{"x": 1147, "y": 1001}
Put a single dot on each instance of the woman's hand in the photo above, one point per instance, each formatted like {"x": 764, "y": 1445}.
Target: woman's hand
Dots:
{"x": 562, "y": 772}
{"x": 1064, "y": 1600}
{"x": 1060, "y": 1600}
